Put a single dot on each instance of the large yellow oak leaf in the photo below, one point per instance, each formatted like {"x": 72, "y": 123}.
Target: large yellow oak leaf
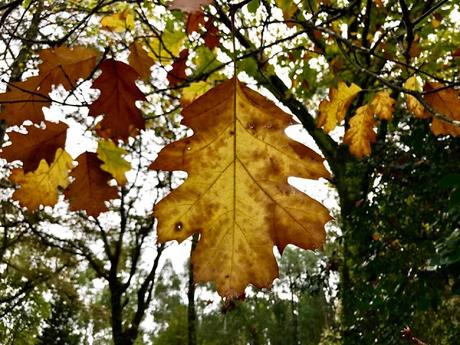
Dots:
{"x": 24, "y": 101}
{"x": 90, "y": 189}
{"x": 35, "y": 145}
{"x": 119, "y": 22}
{"x": 41, "y": 186}
{"x": 446, "y": 102}
{"x": 65, "y": 66}
{"x": 361, "y": 135}
{"x": 237, "y": 195}
{"x": 332, "y": 111}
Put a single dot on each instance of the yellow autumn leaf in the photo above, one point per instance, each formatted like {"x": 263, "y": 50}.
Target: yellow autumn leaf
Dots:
{"x": 119, "y": 22}
{"x": 383, "y": 104}
{"x": 333, "y": 110}
{"x": 140, "y": 60}
{"x": 237, "y": 195}
{"x": 193, "y": 91}
{"x": 413, "y": 105}
{"x": 361, "y": 133}
{"x": 114, "y": 163}
{"x": 164, "y": 50}
{"x": 445, "y": 102}
{"x": 40, "y": 187}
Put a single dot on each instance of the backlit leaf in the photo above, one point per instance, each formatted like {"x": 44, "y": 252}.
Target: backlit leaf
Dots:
{"x": 413, "y": 105}
{"x": 382, "y": 105}
{"x": 446, "y": 102}
{"x": 140, "y": 60}
{"x": 361, "y": 133}
{"x": 41, "y": 186}
{"x": 119, "y": 93}
{"x": 236, "y": 194}
{"x": 164, "y": 50}
{"x": 193, "y": 91}
{"x": 90, "y": 189}
{"x": 332, "y": 111}
{"x": 36, "y": 145}
{"x": 177, "y": 73}
{"x": 113, "y": 161}
{"x": 119, "y": 22}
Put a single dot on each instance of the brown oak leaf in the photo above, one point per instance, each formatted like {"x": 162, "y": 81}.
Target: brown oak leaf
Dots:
{"x": 177, "y": 74}
{"x": 211, "y": 36}
{"x": 194, "y": 21}
{"x": 140, "y": 60}
{"x": 90, "y": 189}
{"x": 119, "y": 93}
{"x": 36, "y": 145}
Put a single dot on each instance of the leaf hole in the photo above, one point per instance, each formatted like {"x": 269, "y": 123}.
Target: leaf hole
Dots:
{"x": 178, "y": 226}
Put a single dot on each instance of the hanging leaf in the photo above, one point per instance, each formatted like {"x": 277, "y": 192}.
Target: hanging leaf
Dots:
{"x": 333, "y": 110}
{"x": 40, "y": 187}
{"x": 211, "y": 35}
{"x": 113, "y": 161}
{"x": 24, "y": 101}
{"x": 361, "y": 133}
{"x": 117, "y": 101}
{"x": 383, "y": 104}
{"x": 236, "y": 194}
{"x": 140, "y": 60}
{"x": 119, "y": 22}
{"x": 446, "y": 102}
{"x": 65, "y": 66}
{"x": 177, "y": 73}
{"x": 167, "y": 48}
{"x": 194, "y": 21}
{"x": 90, "y": 189}
{"x": 36, "y": 145}
{"x": 413, "y": 105}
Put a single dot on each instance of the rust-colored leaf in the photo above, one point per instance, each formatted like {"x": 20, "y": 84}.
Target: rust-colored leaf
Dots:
{"x": 65, "y": 66}
{"x": 119, "y": 93}
{"x": 361, "y": 135}
{"x": 188, "y": 5}
{"x": 36, "y": 145}
{"x": 90, "y": 189}
{"x": 140, "y": 60}
{"x": 177, "y": 74}
{"x": 194, "y": 21}
{"x": 446, "y": 102}
{"x": 41, "y": 186}
{"x": 237, "y": 195}
{"x": 24, "y": 101}
{"x": 211, "y": 36}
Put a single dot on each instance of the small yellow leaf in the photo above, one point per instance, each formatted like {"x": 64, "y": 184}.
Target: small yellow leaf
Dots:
{"x": 40, "y": 187}
{"x": 193, "y": 91}
{"x": 361, "y": 133}
{"x": 333, "y": 110}
{"x": 140, "y": 60}
{"x": 413, "y": 105}
{"x": 114, "y": 163}
{"x": 383, "y": 105}
{"x": 435, "y": 23}
{"x": 169, "y": 47}
{"x": 119, "y": 22}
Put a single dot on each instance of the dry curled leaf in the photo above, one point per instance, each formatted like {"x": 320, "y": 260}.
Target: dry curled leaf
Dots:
{"x": 237, "y": 195}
